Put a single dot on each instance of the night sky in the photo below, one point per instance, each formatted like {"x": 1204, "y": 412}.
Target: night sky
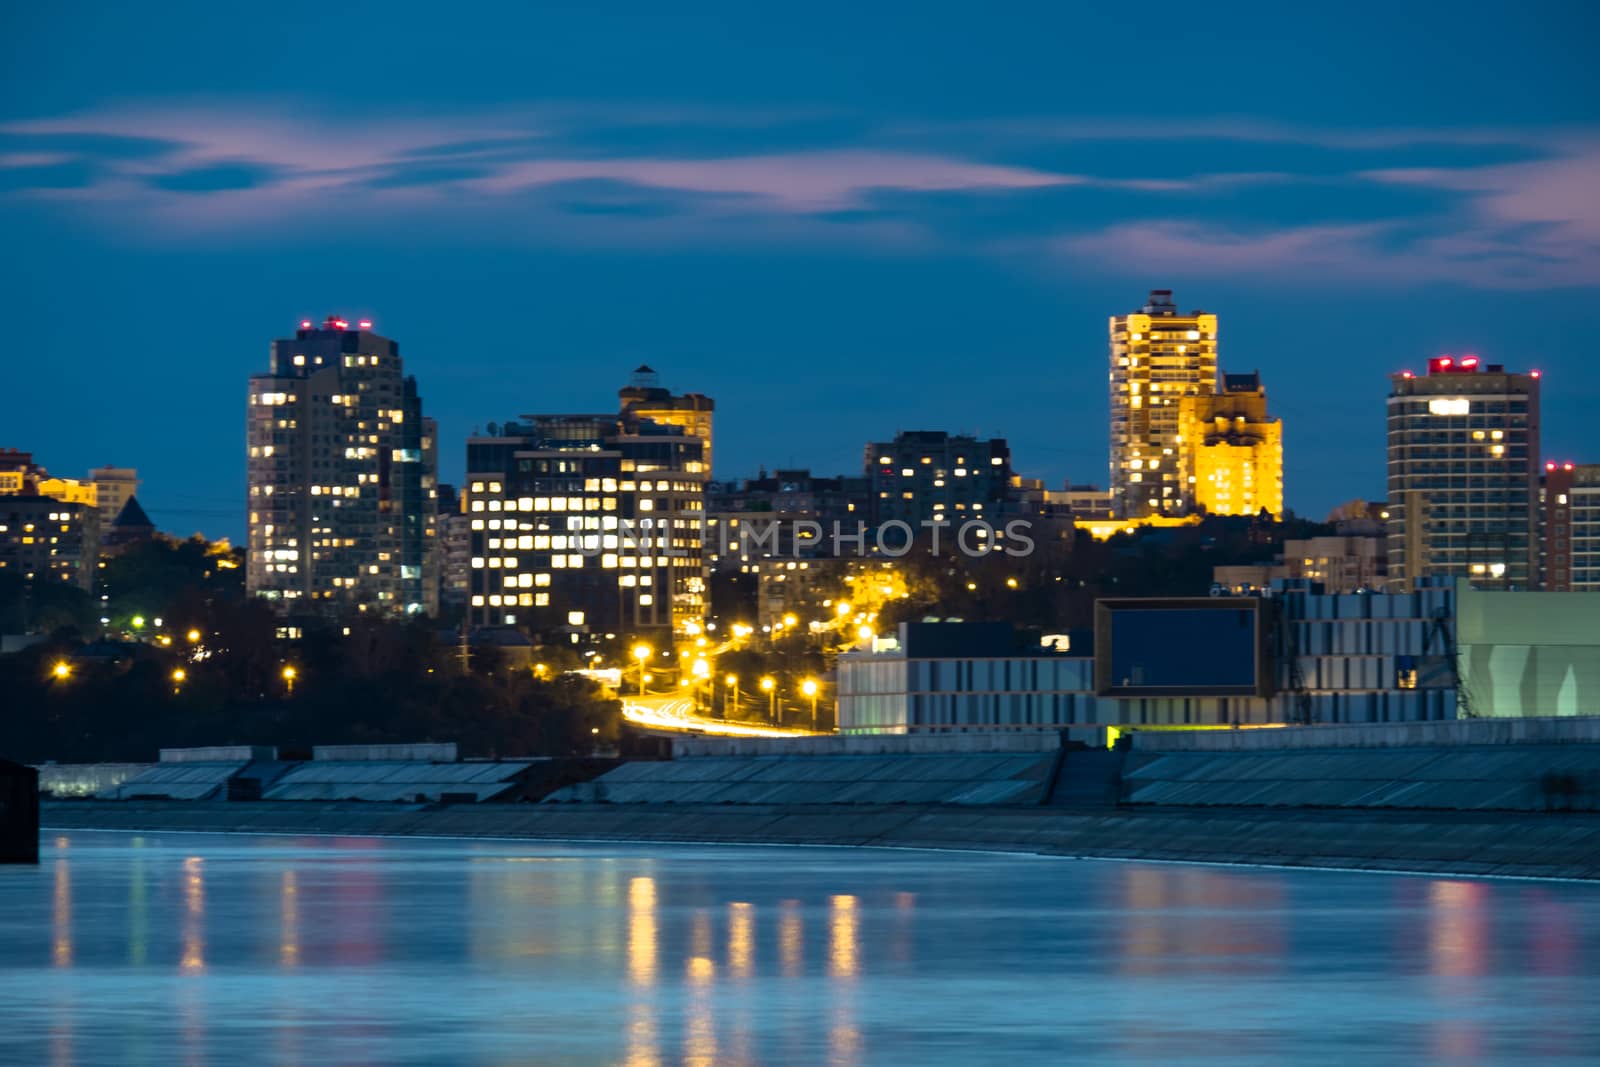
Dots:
{"x": 839, "y": 223}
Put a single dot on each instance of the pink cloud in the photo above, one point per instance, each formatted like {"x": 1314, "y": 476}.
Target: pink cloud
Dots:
{"x": 801, "y": 181}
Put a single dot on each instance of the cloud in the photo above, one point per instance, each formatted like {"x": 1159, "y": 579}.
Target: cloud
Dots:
{"x": 1482, "y": 207}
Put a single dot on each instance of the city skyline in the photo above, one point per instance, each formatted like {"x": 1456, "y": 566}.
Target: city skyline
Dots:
{"x": 535, "y": 225}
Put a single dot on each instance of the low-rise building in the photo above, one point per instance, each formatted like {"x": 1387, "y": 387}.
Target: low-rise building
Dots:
{"x": 1301, "y": 657}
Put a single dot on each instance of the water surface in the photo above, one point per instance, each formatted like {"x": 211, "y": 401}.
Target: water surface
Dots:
{"x": 201, "y": 949}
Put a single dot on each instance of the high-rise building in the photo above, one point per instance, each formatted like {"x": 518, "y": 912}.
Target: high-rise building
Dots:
{"x": 584, "y": 526}
{"x": 1158, "y": 357}
{"x": 644, "y": 398}
{"x": 928, "y": 475}
{"x": 1230, "y": 452}
{"x": 113, "y": 486}
{"x": 342, "y": 476}
{"x": 1570, "y": 545}
{"x": 1464, "y": 474}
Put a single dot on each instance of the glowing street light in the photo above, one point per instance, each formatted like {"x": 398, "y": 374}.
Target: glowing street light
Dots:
{"x": 810, "y": 688}
{"x": 289, "y": 675}
{"x": 732, "y": 682}
{"x": 769, "y": 686}
{"x": 138, "y": 622}
{"x": 194, "y": 637}
{"x": 1011, "y": 583}
{"x": 642, "y": 653}
{"x": 62, "y": 669}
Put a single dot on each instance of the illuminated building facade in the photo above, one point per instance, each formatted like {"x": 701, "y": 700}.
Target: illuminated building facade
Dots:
{"x": 1464, "y": 475}
{"x": 45, "y": 539}
{"x": 342, "y": 477}
{"x": 644, "y": 398}
{"x": 1158, "y": 357}
{"x": 113, "y": 487}
{"x": 1230, "y": 452}
{"x": 584, "y": 526}
{"x": 763, "y": 516}
{"x": 928, "y": 475}
{"x": 1570, "y": 545}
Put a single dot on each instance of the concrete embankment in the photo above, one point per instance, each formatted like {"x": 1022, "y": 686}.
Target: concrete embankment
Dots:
{"x": 1508, "y": 844}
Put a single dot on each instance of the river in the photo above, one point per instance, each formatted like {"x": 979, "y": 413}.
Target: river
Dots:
{"x": 197, "y": 949}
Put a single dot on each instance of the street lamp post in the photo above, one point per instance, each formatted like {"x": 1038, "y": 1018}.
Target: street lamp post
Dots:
{"x": 289, "y": 674}
{"x": 769, "y": 686}
{"x": 732, "y": 682}
{"x": 642, "y": 654}
{"x": 810, "y": 688}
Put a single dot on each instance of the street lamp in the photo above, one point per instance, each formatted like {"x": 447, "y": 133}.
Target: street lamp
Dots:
{"x": 809, "y": 687}
{"x": 701, "y": 671}
{"x": 289, "y": 674}
{"x": 732, "y": 682}
{"x": 769, "y": 686}
{"x": 179, "y": 674}
{"x": 641, "y": 653}
{"x": 194, "y": 637}
{"x": 62, "y": 669}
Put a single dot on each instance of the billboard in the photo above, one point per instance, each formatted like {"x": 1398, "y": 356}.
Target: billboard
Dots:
{"x": 1183, "y": 647}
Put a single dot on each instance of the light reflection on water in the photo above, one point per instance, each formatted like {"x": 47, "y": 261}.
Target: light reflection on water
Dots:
{"x": 200, "y": 949}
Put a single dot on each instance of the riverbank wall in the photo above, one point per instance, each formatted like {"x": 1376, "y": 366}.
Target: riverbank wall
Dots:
{"x": 1468, "y": 844}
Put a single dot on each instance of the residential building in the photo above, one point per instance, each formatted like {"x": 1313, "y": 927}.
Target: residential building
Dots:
{"x": 1230, "y": 450}
{"x": 1570, "y": 537}
{"x": 587, "y": 526}
{"x": 769, "y": 514}
{"x": 929, "y": 475}
{"x": 45, "y": 539}
{"x": 342, "y": 476}
{"x": 113, "y": 485}
{"x": 1339, "y": 564}
{"x": 1158, "y": 357}
{"x": 1463, "y": 450}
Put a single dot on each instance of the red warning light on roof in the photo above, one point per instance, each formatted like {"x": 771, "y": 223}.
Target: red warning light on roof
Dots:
{"x": 305, "y": 324}
{"x": 1407, "y": 374}
{"x": 1550, "y": 466}
{"x": 1566, "y": 466}
{"x": 1469, "y": 361}
{"x": 1533, "y": 374}
{"x": 341, "y": 324}
{"x": 365, "y": 324}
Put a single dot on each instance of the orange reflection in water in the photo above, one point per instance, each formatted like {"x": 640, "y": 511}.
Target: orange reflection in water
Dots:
{"x": 644, "y": 1039}
{"x": 700, "y": 1025}
{"x": 844, "y": 962}
{"x": 741, "y": 939}
{"x": 194, "y": 916}
{"x": 791, "y": 938}
{"x": 61, "y": 916}
{"x": 289, "y": 920}
{"x": 843, "y": 950}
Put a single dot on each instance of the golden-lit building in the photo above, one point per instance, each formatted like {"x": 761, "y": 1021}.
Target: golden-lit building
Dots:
{"x": 583, "y": 527}
{"x": 1158, "y": 357}
{"x": 1231, "y": 451}
{"x": 644, "y": 398}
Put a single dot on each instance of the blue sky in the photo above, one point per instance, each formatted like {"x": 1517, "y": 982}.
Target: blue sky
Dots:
{"x": 839, "y": 224}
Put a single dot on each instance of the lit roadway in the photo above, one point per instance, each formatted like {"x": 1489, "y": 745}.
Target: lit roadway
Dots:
{"x": 672, "y": 712}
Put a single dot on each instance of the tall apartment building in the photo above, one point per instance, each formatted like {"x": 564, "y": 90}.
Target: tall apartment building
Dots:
{"x": 1570, "y": 544}
{"x": 1158, "y": 357}
{"x": 644, "y": 398}
{"x": 927, "y": 475}
{"x": 42, "y": 538}
{"x": 765, "y": 515}
{"x": 584, "y": 526}
{"x": 342, "y": 476}
{"x": 1230, "y": 450}
{"x": 1464, "y": 474}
